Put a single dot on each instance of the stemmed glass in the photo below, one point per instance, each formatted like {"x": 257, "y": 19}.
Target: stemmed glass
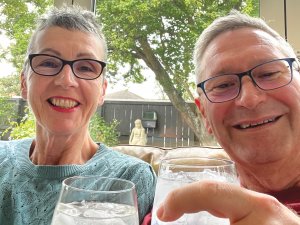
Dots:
{"x": 176, "y": 172}
{"x": 95, "y": 200}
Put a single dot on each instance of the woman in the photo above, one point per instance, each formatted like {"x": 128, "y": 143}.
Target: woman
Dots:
{"x": 63, "y": 82}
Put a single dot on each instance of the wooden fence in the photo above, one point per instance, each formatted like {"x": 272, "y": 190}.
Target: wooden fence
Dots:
{"x": 170, "y": 129}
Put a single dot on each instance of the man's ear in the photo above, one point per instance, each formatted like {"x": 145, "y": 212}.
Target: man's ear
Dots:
{"x": 103, "y": 90}
{"x": 201, "y": 108}
{"x": 23, "y": 82}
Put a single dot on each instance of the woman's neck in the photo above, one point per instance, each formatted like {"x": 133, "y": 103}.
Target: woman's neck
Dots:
{"x": 62, "y": 151}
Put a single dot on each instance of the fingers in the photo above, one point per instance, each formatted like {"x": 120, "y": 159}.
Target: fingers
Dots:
{"x": 211, "y": 196}
{"x": 240, "y": 205}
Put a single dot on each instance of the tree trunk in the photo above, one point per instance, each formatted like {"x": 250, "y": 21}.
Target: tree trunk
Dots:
{"x": 187, "y": 112}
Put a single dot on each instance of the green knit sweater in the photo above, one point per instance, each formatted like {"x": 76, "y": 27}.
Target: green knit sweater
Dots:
{"x": 28, "y": 193}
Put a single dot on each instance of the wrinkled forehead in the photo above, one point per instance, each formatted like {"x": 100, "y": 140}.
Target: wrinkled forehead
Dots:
{"x": 69, "y": 42}
{"x": 239, "y": 50}
{"x": 55, "y": 35}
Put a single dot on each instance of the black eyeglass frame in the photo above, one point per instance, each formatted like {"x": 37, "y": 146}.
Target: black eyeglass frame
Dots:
{"x": 249, "y": 73}
{"x": 66, "y": 62}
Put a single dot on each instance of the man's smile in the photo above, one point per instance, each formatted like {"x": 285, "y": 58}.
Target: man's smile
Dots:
{"x": 256, "y": 124}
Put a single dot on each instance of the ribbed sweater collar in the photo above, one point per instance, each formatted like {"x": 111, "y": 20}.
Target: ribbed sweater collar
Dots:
{"x": 25, "y": 166}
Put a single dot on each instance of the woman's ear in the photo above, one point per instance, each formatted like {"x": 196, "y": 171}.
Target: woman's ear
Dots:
{"x": 103, "y": 90}
{"x": 201, "y": 108}
{"x": 23, "y": 82}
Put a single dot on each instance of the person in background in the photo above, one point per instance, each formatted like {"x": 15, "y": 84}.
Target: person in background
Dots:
{"x": 249, "y": 86}
{"x": 63, "y": 82}
{"x": 138, "y": 134}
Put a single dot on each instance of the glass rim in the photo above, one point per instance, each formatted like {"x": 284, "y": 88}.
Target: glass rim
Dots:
{"x": 128, "y": 189}
{"x": 167, "y": 161}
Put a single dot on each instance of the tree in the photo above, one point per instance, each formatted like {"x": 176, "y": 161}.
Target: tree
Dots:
{"x": 162, "y": 34}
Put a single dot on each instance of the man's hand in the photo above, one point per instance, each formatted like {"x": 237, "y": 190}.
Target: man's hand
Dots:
{"x": 241, "y": 206}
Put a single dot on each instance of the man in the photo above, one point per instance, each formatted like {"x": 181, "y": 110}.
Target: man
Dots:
{"x": 249, "y": 85}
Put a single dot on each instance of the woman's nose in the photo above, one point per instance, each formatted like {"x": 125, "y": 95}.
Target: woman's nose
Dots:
{"x": 250, "y": 94}
{"x": 66, "y": 77}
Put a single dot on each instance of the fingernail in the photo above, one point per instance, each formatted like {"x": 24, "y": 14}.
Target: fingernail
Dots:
{"x": 160, "y": 212}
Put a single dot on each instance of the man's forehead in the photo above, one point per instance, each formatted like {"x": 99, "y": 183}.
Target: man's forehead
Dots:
{"x": 239, "y": 50}
{"x": 239, "y": 37}
{"x": 237, "y": 65}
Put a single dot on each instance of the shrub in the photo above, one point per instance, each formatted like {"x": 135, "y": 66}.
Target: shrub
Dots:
{"x": 24, "y": 129}
{"x": 7, "y": 113}
{"x": 104, "y": 132}
{"x": 100, "y": 130}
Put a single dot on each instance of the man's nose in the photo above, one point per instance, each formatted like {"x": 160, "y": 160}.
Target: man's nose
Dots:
{"x": 250, "y": 94}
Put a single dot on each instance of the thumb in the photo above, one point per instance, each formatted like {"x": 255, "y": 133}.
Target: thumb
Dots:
{"x": 218, "y": 198}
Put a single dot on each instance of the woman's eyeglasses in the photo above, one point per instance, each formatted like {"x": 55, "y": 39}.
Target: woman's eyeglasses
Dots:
{"x": 48, "y": 65}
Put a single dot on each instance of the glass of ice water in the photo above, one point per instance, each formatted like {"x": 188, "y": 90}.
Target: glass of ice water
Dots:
{"x": 176, "y": 172}
{"x": 95, "y": 200}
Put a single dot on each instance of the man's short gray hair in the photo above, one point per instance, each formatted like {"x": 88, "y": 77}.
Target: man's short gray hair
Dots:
{"x": 234, "y": 20}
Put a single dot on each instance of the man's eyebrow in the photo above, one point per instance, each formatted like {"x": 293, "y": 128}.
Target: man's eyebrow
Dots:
{"x": 220, "y": 71}
{"x": 87, "y": 55}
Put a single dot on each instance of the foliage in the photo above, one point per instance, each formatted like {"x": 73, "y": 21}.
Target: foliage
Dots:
{"x": 7, "y": 110}
{"x": 9, "y": 86}
{"x": 104, "y": 132}
{"x": 100, "y": 130}
{"x": 24, "y": 129}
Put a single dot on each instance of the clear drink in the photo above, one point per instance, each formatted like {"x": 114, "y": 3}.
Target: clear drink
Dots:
{"x": 94, "y": 213}
{"x": 94, "y": 200}
{"x": 175, "y": 174}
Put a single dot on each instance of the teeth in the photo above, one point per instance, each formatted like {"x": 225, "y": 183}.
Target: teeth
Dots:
{"x": 244, "y": 126}
{"x": 64, "y": 103}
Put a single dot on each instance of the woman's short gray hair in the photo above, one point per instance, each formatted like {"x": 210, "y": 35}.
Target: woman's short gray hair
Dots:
{"x": 234, "y": 20}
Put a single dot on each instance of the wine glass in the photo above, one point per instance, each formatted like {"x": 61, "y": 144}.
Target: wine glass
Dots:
{"x": 176, "y": 172}
{"x": 95, "y": 200}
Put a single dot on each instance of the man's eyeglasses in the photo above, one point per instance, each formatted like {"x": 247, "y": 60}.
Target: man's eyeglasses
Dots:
{"x": 267, "y": 76}
{"x": 49, "y": 65}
